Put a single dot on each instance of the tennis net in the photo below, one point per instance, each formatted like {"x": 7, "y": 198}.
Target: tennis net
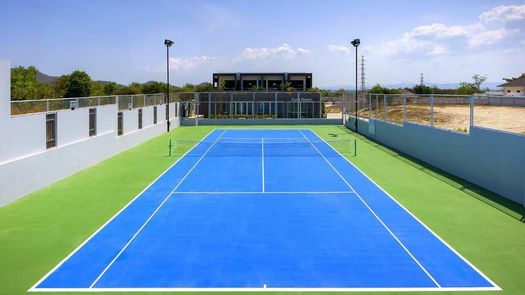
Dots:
{"x": 270, "y": 147}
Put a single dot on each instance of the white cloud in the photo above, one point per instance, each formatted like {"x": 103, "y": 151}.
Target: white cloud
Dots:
{"x": 434, "y": 39}
{"x": 303, "y": 50}
{"x": 438, "y": 50}
{"x": 339, "y": 48}
{"x": 284, "y": 51}
{"x": 489, "y": 37}
{"x": 523, "y": 42}
{"x": 504, "y": 13}
{"x": 178, "y": 63}
{"x": 436, "y": 30}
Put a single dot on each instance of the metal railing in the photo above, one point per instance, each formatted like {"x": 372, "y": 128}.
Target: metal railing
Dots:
{"x": 259, "y": 105}
{"x": 452, "y": 112}
{"x": 209, "y": 105}
{"x": 22, "y": 107}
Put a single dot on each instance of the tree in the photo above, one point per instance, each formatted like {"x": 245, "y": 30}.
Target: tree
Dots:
{"x": 478, "y": 80}
{"x": 188, "y": 87}
{"x": 514, "y": 78}
{"x": 204, "y": 87}
{"x": 109, "y": 88}
{"x": 287, "y": 86}
{"x": 24, "y": 84}
{"x": 466, "y": 88}
{"x": 153, "y": 87}
{"x": 135, "y": 88}
{"x": 79, "y": 85}
{"x": 422, "y": 89}
{"x": 45, "y": 90}
{"x": 61, "y": 85}
{"x": 97, "y": 88}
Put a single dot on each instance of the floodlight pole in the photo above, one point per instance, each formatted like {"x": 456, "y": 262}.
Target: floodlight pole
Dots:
{"x": 168, "y": 44}
{"x": 356, "y": 43}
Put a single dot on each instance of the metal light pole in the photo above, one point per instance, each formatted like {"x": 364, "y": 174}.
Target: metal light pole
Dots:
{"x": 168, "y": 44}
{"x": 356, "y": 43}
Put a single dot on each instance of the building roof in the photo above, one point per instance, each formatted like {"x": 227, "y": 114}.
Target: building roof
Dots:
{"x": 514, "y": 83}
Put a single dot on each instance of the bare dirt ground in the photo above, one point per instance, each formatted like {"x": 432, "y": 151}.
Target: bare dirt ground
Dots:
{"x": 457, "y": 117}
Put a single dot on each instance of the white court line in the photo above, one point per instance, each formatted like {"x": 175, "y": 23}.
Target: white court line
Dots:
{"x": 262, "y": 289}
{"x": 266, "y": 192}
{"x": 496, "y": 287}
{"x": 255, "y": 138}
{"x": 376, "y": 216}
{"x": 33, "y": 288}
{"x": 152, "y": 215}
{"x": 407, "y": 289}
{"x": 262, "y": 162}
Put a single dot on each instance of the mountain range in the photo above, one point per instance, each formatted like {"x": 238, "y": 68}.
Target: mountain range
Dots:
{"x": 489, "y": 85}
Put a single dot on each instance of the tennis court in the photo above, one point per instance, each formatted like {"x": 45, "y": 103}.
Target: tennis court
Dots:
{"x": 263, "y": 210}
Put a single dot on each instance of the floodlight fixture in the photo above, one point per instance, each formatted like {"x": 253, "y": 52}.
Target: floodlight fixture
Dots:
{"x": 168, "y": 42}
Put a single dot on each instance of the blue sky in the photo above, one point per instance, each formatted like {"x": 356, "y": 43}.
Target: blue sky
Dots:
{"x": 122, "y": 41}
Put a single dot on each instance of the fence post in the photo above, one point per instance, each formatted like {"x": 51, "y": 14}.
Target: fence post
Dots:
{"x": 321, "y": 106}
{"x": 384, "y": 102}
{"x": 209, "y": 107}
{"x": 471, "y": 110}
{"x": 369, "y": 105}
{"x": 432, "y": 110}
{"x": 275, "y": 104}
{"x": 404, "y": 107}
{"x": 254, "y": 113}
{"x": 298, "y": 107}
{"x": 144, "y": 99}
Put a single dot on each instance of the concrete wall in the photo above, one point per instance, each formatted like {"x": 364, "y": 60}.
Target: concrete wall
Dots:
{"x": 489, "y": 158}
{"x": 192, "y": 122}
{"x": 514, "y": 91}
{"x": 26, "y": 165}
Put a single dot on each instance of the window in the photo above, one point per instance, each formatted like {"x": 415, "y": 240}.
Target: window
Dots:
{"x": 167, "y": 111}
{"x": 154, "y": 115}
{"x": 140, "y": 118}
{"x": 517, "y": 91}
{"x": 51, "y": 130}
{"x": 508, "y": 91}
{"x": 92, "y": 122}
{"x": 120, "y": 123}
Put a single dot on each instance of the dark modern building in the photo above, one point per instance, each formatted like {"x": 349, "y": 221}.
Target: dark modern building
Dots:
{"x": 261, "y": 81}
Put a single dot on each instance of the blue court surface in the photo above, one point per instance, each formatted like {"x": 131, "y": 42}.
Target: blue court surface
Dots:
{"x": 254, "y": 210}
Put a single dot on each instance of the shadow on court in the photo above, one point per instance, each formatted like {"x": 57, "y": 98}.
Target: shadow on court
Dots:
{"x": 509, "y": 207}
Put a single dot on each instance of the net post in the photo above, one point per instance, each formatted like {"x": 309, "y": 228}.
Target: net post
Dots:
{"x": 169, "y": 148}
{"x": 355, "y": 147}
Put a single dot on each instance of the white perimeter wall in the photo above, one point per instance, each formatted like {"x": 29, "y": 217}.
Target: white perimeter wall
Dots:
{"x": 27, "y": 166}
